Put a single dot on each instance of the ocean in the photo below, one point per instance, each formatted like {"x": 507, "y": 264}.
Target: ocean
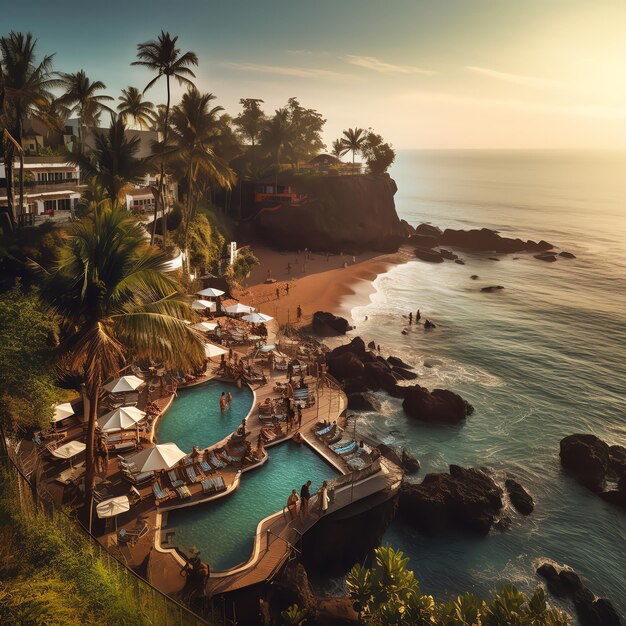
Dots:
{"x": 541, "y": 359}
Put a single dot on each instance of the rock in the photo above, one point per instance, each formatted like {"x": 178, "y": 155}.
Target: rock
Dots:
{"x": 354, "y": 385}
{"x": 337, "y": 214}
{"x": 389, "y": 453}
{"x": 491, "y": 288}
{"x": 474, "y": 276}
{"x": 586, "y": 457}
{"x": 447, "y": 254}
{"x": 431, "y": 363}
{"x": 486, "y": 240}
{"x": 356, "y": 346}
{"x": 520, "y": 498}
{"x": 346, "y": 365}
{"x": 379, "y": 376}
{"x": 404, "y": 374}
{"x": 431, "y": 256}
{"x": 459, "y": 261}
{"x": 409, "y": 463}
{"x": 408, "y": 229}
{"x": 371, "y": 345}
{"x": 423, "y": 241}
{"x": 544, "y": 256}
{"x": 567, "y": 255}
{"x": 466, "y": 498}
{"x": 617, "y": 461}
{"x": 606, "y": 612}
{"x": 326, "y": 324}
{"x": 428, "y": 229}
{"x": 493, "y": 258}
{"x": 397, "y": 362}
{"x": 363, "y": 401}
{"x": 440, "y": 406}
{"x": 617, "y": 497}
{"x": 551, "y": 575}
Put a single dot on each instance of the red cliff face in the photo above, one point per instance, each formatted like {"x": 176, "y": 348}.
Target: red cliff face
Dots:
{"x": 340, "y": 214}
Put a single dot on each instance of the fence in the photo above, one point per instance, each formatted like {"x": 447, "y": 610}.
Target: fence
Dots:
{"x": 154, "y": 606}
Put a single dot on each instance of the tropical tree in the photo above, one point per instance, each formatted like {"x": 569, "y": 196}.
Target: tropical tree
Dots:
{"x": 113, "y": 162}
{"x": 353, "y": 140}
{"x": 25, "y": 82}
{"x": 378, "y": 154}
{"x": 115, "y": 303}
{"x": 164, "y": 57}
{"x": 159, "y": 118}
{"x": 134, "y": 108}
{"x": 250, "y": 123}
{"x": 276, "y": 138}
{"x": 81, "y": 98}
{"x": 294, "y": 615}
{"x": 195, "y": 132}
{"x": 338, "y": 149}
{"x": 306, "y": 131}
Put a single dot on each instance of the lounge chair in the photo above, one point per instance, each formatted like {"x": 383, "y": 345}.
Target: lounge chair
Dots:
{"x": 208, "y": 486}
{"x": 137, "y": 478}
{"x": 183, "y": 491}
{"x": 325, "y": 431}
{"x": 215, "y": 462}
{"x": 161, "y": 494}
{"x": 219, "y": 483}
{"x": 174, "y": 480}
{"x": 206, "y": 467}
{"x": 191, "y": 474}
{"x": 228, "y": 458}
{"x": 268, "y": 434}
{"x": 348, "y": 449}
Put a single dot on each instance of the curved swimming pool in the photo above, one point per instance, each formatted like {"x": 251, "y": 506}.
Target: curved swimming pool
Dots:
{"x": 195, "y": 417}
{"x": 224, "y": 530}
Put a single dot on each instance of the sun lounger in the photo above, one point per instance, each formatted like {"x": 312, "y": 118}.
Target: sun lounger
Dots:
{"x": 183, "y": 491}
{"x": 325, "y": 431}
{"x": 191, "y": 474}
{"x": 357, "y": 463}
{"x": 174, "y": 480}
{"x": 207, "y": 485}
{"x": 268, "y": 434}
{"x": 206, "y": 467}
{"x": 340, "y": 444}
{"x": 348, "y": 449}
{"x": 137, "y": 478}
{"x": 219, "y": 483}
{"x": 335, "y": 438}
{"x": 228, "y": 458}
{"x": 160, "y": 494}
{"x": 215, "y": 462}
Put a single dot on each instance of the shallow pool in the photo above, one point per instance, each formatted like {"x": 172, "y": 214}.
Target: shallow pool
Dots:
{"x": 224, "y": 530}
{"x": 195, "y": 417}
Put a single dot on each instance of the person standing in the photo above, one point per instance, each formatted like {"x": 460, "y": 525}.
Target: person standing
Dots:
{"x": 418, "y": 316}
{"x": 230, "y": 400}
{"x": 323, "y": 494}
{"x": 287, "y": 288}
{"x": 299, "y": 416}
{"x": 410, "y": 318}
{"x": 292, "y": 504}
{"x": 277, "y": 293}
{"x": 299, "y": 312}
{"x": 223, "y": 402}
{"x": 305, "y": 496}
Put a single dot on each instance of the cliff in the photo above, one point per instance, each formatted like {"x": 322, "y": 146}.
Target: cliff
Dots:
{"x": 340, "y": 214}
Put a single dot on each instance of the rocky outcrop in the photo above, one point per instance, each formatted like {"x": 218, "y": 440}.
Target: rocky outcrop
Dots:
{"x": 394, "y": 361}
{"x": 339, "y": 214}
{"x": 409, "y": 463}
{"x": 423, "y": 241}
{"x": 440, "y": 405}
{"x": 346, "y": 366}
{"x": 567, "y": 255}
{"x": 593, "y": 462}
{"x": 546, "y": 256}
{"x": 465, "y": 498}
{"x": 363, "y": 401}
{"x": 431, "y": 256}
{"x": 491, "y": 288}
{"x": 563, "y": 582}
{"x": 487, "y": 240}
{"x": 520, "y": 498}
{"x": 379, "y": 375}
{"x": 429, "y": 230}
{"x": 326, "y": 324}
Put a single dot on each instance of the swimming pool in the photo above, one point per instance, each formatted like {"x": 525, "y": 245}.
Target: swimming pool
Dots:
{"x": 223, "y": 530}
{"x": 195, "y": 417}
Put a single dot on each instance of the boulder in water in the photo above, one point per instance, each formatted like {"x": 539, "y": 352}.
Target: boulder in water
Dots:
{"x": 404, "y": 374}
{"x": 474, "y": 276}
{"x": 447, "y": 254}
{"x": 431, "y": 256}
{"x": 429, "y": 230}
{"x": 586, "y": 457}
{"x": 491, "y": 288}
{"x": 459, "y": 261}
{"x": 379, "y": 376}
{"x": 397, "y": 362}
{"x": 546, "y": 256}
{"x": 327, "y": 324}
{"x": 346, "y": 365}
{"x": 440, "y": 405}
{"x": 567, "y": 255}
{"x": 371, "y": 345}
{"x": 423, "y": 241}
{"x": 520, "y": 498}
{"x": 363, "y": 401}
{"x": 409, "y": 463}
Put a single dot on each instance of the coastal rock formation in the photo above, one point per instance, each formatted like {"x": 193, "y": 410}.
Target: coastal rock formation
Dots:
{"x": 440, "y": 405}
{"x": 474, "y": 276}
{"x": 326, "y": 324}
{"x": 339, "y": 214}
{"x": 447, "y": 254}
{"x": 379, "y": 375}
{"x": 346, "y": 366}
{"x": 429, "y": 230}
{"x": 466, "y": 498}
{"x": 423, "y": 241}
{"x": 491, "y": 288}
{"x": 563, "y": 582}
{"x": 546, "y": 256}
{"x": 363, "y": 401}
{"x": 409, "y": 463}
{"x": 431, "y": 256}
{"x": 394, "y": 361}
{"x": 567, "y": 255}
{"x": 520, "y": 498}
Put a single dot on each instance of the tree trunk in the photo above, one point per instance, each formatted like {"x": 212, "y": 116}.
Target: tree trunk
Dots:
{"x": 93, "y": 392}
{"x": 161, "y": 193}
{"x": 8, "y": 167}
{"x": 188, "y": 212}
{"x": 19, "y": 140}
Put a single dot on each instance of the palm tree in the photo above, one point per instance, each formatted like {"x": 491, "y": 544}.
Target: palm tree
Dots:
{"x": 159, "y": 119}
{"x": 25, "y": 83}
{"x": 81, "y": 99}
{"x": 338, "y": 148}
{"x": 276, "y": 138}
{"x": 353, "y": 140}
{"x": 133, "y": 107}
{"x": 116, "y": 305}
{"x": 250, "y": 122}
{"x": 195, "y": 126}
{"x": 113, "y": 162}
{"x": 164, "y": 57}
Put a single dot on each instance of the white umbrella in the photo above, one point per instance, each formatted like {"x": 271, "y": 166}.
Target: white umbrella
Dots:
{"x": 268, "y": 348}
{"x": 257, "y": 318}
{"x": 61, "y": 411}
{"x": 211, "y": 350}
{"x": 113, "y": 507}
{"x": 210, "y": 292}
{"x": 201, "y": 305}
{"x": 124, "y": 384}
{"x": 163, "y": 456}
{"x": 239, "y": 308}
{"x": 122, "y": 418}
{"x": 205, "y": 327}
{"x": 69, "y": 450}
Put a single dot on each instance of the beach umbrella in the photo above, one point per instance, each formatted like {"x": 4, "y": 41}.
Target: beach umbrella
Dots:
{"x": 124, "y": 384}
{"x": 205, "y": 327}
{"x": 237, "y": 309}
{"x": 122, "y": 418}
{"x": 113, "y": 507}
{"x": 69, "y": 450}
{"x": 162, "y": 456}
{"x": 257, "y": 318}
{"x": 201, "y": 305}
{"x": 267, "y": 348}
{"x": 61, "y": 411}
{"x": 210, "y": 292}
{"x": 211, "y": 350}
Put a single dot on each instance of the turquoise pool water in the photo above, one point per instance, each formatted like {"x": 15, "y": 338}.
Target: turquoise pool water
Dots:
{"x": 224, "y": 530}
{"x": 195, "y": 417}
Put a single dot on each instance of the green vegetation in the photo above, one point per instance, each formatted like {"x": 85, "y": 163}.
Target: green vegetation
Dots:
{"x": 389, "y": 594}
{"x": 244, "y": 264}
{"x": 378, "y": 154}
{"x": 28, "y": 391}
{"x": 134, "y": 108}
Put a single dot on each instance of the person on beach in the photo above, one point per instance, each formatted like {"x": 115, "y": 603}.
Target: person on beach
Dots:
{"x": 230, "y": 400}
{"x": 292, "y": 504}
{"x": 410, "y": 319}
{"x": 418, "y": 316}
{"x": 305, "y": 496}
{"x": 287, "y": 288}
{"x": 299, "y": 416}
{"x": 223, "y": 402}
{"x": 299, "y": 312}
{"x": 324, "y": 499}
{"x": 277, "y": 293}
{"x": 288, "y": 268}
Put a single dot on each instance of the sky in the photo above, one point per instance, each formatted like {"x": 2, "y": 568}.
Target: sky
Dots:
{"x": 428, "y": 74}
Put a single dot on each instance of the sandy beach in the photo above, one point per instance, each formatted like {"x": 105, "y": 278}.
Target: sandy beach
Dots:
{"x": 315, "y": 282}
